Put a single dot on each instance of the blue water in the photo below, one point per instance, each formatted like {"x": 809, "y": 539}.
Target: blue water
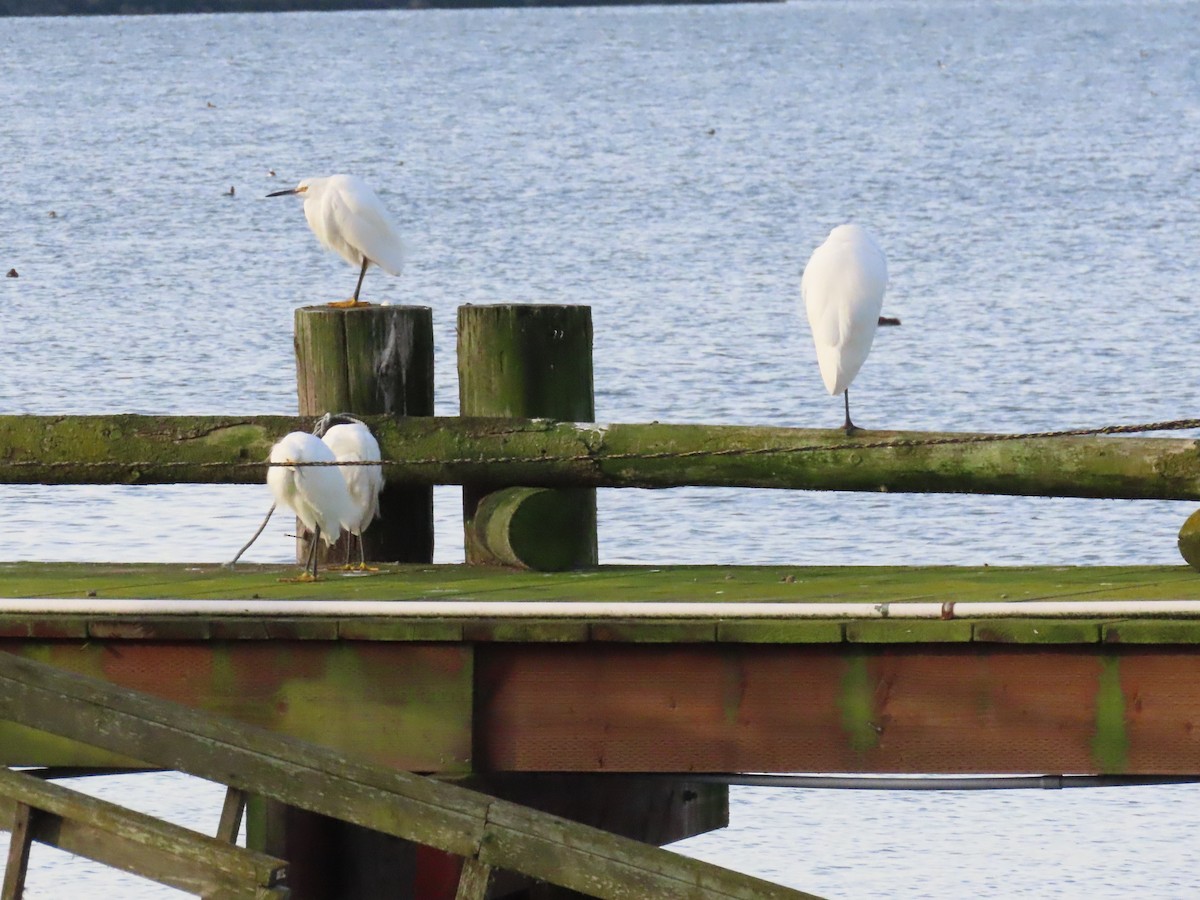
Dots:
{"x": 1030, "y": 169}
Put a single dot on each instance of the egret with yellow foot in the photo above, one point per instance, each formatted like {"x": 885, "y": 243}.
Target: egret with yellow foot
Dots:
{"x": 349, "y": 218}
{"x": 316, "y": 494}
{"x": 354, "y": 443}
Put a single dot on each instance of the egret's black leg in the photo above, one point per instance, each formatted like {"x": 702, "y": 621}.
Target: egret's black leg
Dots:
{"x": 848, "y": 425}
{"x": 361, "y": 275}
{"x": 312, "y": 554}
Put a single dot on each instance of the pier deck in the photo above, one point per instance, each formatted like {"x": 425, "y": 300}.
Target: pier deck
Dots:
{"x": 706, "y": 671}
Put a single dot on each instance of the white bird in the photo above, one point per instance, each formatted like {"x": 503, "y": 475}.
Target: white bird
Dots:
{"x": 349, "y": 218}
{"x": 842, "y": 289}
{"x": 354, "y": 442}
{"x": 316, "y": 494}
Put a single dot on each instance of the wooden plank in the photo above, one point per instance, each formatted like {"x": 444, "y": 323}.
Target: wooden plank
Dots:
{"x": 474, "y": 881}
{"x": 555, "y": 850}
{"x": 403, "y": 704}
{"x": 310, "y": 777}
{"x": 733, "y": 584}
{"x": 1038, "y": 631}
{"x": 19, "y": 845}
{"x": 139, "y": 844}
{"x": 231, "y": 815}
{"x": 949, "y": 709}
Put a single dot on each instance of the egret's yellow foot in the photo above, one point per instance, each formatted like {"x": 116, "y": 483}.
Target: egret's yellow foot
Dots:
{"x": 349, "y": 304}
{"x": 301, "y": 579}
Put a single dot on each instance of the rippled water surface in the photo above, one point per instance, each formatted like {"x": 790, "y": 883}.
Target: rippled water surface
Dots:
{"x": 1031, "y": 170}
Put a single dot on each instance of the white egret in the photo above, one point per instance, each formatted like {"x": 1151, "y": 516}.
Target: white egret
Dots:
{"x": 316, "y": 494}
{"x": 353, "y": 442}
{"x": 349, "y": 218}
{"x": 842, "y": 289}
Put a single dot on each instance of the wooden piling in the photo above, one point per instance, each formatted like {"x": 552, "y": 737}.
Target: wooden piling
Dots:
{"x": 530, "y": 361}
{"x": 365, "y": 361}
{"x": 361, "y": 361}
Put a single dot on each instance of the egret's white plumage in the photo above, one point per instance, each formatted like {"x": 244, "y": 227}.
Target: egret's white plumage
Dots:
{"x": 842, "y": 288}
{"x": 354, "y": 442}
{"x": 316, "y": 494}
{"x": 349, "y": 218}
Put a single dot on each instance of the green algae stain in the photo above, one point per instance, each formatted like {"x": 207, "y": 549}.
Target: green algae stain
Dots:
{"x": 857, "y": 704}
{"x": 1110, "y": 746}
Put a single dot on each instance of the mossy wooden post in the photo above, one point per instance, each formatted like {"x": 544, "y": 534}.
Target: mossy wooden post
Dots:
{"x": 364, "y": 361}
{"x": 529, "y": 361}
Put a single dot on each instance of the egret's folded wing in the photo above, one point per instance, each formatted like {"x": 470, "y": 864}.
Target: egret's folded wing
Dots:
{"x": 367, "y": 225}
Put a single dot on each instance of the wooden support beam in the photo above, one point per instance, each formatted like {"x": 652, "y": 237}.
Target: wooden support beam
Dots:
{"x": 499, "y": 834}
{"x": 231, "y": 815}
{"x": 20, "y": 843}
{"x": 473, "y": 884}
{"x": 130, "y": 449}
{"x": 372, "y": 360}
{"x": 131, "y": 841}
{"x": 532, "y": 361}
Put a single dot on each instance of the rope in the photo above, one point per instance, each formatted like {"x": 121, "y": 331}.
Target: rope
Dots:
{"x": 890, "y": 444}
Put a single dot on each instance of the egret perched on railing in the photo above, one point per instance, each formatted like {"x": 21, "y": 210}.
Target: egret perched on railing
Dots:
{"x": 353, "y": 442}
{"x": 842, "y": 289}
{"x": 349, "y": 218}
{"x": 316, "y": 494}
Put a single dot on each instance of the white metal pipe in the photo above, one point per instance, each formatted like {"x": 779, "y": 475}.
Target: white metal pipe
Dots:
{"x": 550, "y": 609}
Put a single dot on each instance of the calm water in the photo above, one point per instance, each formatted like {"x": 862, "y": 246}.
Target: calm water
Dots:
{"x": 1031, "y": 170}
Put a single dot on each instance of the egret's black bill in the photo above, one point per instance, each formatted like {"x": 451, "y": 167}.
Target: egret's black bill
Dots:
{"x": 281, "y": 193}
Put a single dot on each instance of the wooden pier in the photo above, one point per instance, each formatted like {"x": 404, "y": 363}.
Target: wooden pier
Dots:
{"x": 538, "y": 678}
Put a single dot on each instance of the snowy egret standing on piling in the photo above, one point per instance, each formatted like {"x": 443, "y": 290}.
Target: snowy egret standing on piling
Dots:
{"x": 353, "y": 442}
{"x": 316, "y": 494}
{"x": 349, "y": 218}
{"x": 842, "y": 289}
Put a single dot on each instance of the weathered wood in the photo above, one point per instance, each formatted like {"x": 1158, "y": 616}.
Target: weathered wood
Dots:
{"x": 130, "y": 449}
{"x": 407, "y": 704}
{"x": 950, "y": 709}
{"x": 1189, "y": 540}
{"x": 445, "y": 817}
{"x": 138, "y": 843}
{"x": 654, "y": 809}
{"x": 532, "y": 361}
{"x": 373, "y": 360}
{"x": 20, "y": 843}
{"x": 531, "y": 528}
{"x": 231, "y": 815}
{"x": 784, "y": 582}
{"x": 473, "y": 883}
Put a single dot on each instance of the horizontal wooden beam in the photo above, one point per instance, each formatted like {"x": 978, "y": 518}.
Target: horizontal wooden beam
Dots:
{"x": 912, "y": 709}
{"x": 129, "y": 449}
{"x": 138, "y": 843}
{"x": 498, "y": 833}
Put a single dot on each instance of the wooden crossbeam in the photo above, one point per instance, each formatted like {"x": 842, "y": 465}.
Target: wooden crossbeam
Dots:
{"x": 131, "y": 841}
{"x": 497, "y": 833}
{"x": 133, "y": 449}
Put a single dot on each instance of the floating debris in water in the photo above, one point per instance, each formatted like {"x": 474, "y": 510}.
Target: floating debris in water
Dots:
{"x": 11, "y": 273}
{"x": 888, "y": 320}
{"x": 52, "y": 214}
{"x": 231, "y": 192}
